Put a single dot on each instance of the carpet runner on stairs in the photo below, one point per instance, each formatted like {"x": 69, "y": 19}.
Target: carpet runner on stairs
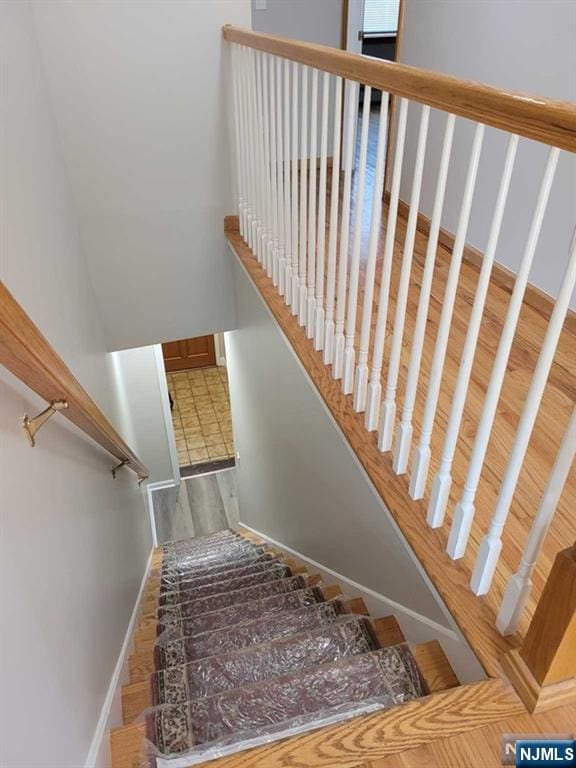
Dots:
{"x": 257, "y": 655}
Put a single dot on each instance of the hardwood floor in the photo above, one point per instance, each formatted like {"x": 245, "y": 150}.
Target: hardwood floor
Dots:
{"x": 481, "y": 747}
{"x": 474, "y": 615}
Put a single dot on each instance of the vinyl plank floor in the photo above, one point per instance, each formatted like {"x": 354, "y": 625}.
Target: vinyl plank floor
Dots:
{"x": 201, "y": 505}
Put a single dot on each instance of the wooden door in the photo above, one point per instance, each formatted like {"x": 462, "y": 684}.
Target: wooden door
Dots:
{"x": 189, "y": 353}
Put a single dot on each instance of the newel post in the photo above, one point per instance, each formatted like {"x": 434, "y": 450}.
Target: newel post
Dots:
{"x": 543, "y": 669}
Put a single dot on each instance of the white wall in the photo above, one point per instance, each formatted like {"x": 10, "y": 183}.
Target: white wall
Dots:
{"x": 526, "y": 45}
{"x": 140, "y": 94}
{"x": 300, "y": 483}
{"x": 144, "y": 391}
{"x": 315, "y": 21}
{"x": 74, "y": 542}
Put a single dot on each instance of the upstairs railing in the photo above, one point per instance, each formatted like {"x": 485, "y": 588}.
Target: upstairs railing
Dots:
{"x": 303, "y": 221}
{"x": 27, "y": 354}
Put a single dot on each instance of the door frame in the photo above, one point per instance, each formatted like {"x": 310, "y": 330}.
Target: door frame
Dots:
{"x": 167, "y": 412}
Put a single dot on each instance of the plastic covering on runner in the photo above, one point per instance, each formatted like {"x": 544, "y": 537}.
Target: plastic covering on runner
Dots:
{"x": 204, "y": 729}
{"x": 238, "y": 636}
{"x": 243, "y": 612}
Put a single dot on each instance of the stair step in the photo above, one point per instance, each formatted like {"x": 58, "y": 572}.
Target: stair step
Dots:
{"x": 435, "y": 667}
{"x": 189, "y": 591}
{"x": 190, "y": 570}
{"x": 271, "y": 708}
{"x": 170, "y": 614}
{"x": 217, "y": 674}
{"x": 253, "y": 566}
{"x": 240, "y": 612}
{"x": 388, "y": 631}
{"x": 142, "y": 661}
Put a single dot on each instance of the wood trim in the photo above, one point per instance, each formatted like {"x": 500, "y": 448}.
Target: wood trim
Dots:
{"x": 549, "y": 648}
{"x": 28, "y": 355}
{"x": 371, "y": 737}
{"x": 501, "y": 275}
{"x": 536, "y": 697}
{"x": 344, "y": 26}
{"x": 534, "y": 117}
{"x": 474, "y": 617}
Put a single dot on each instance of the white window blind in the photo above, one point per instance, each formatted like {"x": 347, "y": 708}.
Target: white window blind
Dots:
{"x": 381, "y": 16}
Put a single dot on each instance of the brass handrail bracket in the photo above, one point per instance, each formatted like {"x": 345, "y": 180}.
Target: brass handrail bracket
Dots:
{"x": 118, "y": 467}
{"x": 32, "y": 425}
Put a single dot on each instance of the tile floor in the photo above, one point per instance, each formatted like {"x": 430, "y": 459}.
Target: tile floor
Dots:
{"x": 201, "y": 415}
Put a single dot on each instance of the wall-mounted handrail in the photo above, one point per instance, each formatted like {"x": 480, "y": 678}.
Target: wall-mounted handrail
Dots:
{"x": 27, "y": 354}
{"x": 546, "y": 120}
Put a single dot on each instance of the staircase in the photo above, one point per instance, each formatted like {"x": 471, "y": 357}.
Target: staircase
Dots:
{"x": 238, "y": 646}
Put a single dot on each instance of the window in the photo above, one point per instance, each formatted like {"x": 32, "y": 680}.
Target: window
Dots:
{"x": 381, "y": 16}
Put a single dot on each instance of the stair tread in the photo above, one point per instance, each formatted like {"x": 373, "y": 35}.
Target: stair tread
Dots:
{"x": 187, "y": 593}
{"x": 435, "y": 667}
{"x": 170, "y": 614}
{"x": 379, "y": 679}
{"x": 388, "y": 631}
{"x": 170, "y": 577}
{"x": 242, "y": 612}
{"x": 298, "y": 652}
{"x": 191, "y": 567}
{"x": 183, "y": 584}
{"x": 239, "y": 636}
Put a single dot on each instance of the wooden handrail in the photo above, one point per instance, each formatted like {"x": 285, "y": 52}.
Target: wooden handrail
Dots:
{"x": 27, "y": 354}
{"x": 534, "y": 117}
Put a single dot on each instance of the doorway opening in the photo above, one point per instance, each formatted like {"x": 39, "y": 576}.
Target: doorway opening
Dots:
{"x": 200, "y": 404}
{"x": 374, "y": 28}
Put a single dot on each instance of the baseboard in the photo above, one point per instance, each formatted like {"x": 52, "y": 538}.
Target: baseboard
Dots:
{"x": 501, "y": 275}
{"x": 416, "y": 627}
{"x": 99, "y": 752}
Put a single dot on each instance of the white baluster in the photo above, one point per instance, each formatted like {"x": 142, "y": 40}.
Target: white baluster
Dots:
{"x": 279, "y": 266}
{"x": 273, "y": 168}
{"x": 256, "y": 160}
{"x": 294, "y": 207}
{"x": 261, "y": 234}
{"x": 268, "y": 231}
{"x": 464, "y": 511}
{"x": 311, "y": 300}
{"x": 338, "y": 352}
{"x": 491, "y": 544}
{"x": 321, "y": 235}
{"x": 302, "y": 301}
{"x": 443, "y": 479}
{"x": 421, "y": 459}
{"x": 333, "y": 233}
{"x": 374, "y": 385}
{"x": 361, "y": 379}
{"x": 405, "y": 428}
{"x": 286, "y": 281}
{"x": 520, "y": 585}
{"x": 351, "y": 311}
{"x": 238, "y": 140}
{"x": 388, "y": 413}
{"x": 249, "y": 143}
{"x": 247, "y": 147}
